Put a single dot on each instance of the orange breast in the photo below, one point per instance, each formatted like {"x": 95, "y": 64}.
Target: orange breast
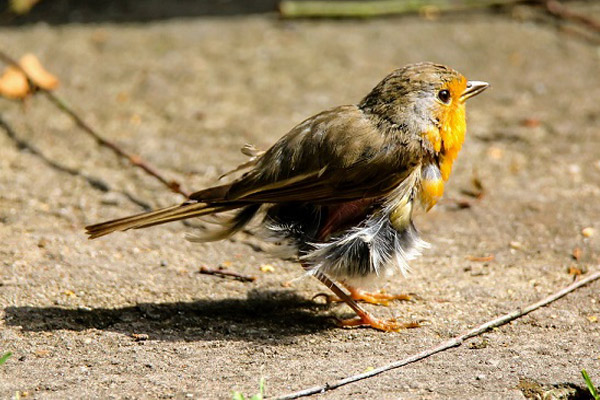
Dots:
{"x": 453, "y": 136}
{"x": 446, "y": 140}
{"x": 453, "y": 127}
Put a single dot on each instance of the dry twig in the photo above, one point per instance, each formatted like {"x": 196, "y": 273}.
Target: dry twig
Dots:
{"x": 454, "y": 342}
{"x": 482, "y": 258}
{"x": 63, "y": 106}
{"x": 227, "y": 274}
{"x": 555, "y": 8}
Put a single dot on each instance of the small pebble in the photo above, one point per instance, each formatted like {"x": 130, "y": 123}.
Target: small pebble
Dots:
{"x": 574, "y": 169}
{"x": 493, "y": 363}
{"x": 495, "y": 153}
{"x": 516, "y": 245}
{"x": 588, "y": 232}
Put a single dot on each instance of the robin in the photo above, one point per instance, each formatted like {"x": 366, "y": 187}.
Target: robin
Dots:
{"x": 341, "y": 187}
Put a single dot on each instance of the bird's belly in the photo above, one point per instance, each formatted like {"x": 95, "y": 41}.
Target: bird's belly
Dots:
{"x": 374, "y": 248}
{"x": 431, "y": 187}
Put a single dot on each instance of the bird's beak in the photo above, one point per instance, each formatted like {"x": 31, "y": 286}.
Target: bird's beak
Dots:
{"x": 473, "y": 89}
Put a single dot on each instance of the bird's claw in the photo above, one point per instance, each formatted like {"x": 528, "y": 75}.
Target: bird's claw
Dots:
{"x": 328, "y": 298}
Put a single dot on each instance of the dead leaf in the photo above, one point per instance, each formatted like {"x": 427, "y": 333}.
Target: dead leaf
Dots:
{"x": 575, "y": 270}
{"x": 531, "y": 122}
{"x": 267, "y": 268}
{"x": 13, "y": 84}
{"x": 33, "y": 67}
{"x": 577, "y": 253}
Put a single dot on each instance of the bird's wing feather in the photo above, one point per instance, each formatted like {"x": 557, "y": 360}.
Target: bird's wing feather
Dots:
{"x": 336, "y": 156}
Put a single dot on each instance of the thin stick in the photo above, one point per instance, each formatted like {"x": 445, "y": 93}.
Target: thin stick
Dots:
{"x": 227, "y": 274}
{"x": 62, "y": 105}
{"x": 454, "y": 342}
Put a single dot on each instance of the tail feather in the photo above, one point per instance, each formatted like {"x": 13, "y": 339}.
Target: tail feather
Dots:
{"x": 161, "y": 216}
{"x": 229, "y": 226}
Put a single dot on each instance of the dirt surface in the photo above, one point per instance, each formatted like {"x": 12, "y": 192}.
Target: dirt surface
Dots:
{"x": 129, "y": 316}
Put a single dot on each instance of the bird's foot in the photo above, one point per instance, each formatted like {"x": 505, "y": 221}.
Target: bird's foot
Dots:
{"x": 363, "y": 317}
{"x": 381, "y": 298}
{"x": 386, "y": 325}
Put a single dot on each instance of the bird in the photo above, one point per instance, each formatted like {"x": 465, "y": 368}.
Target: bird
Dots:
{"x": 340, "y": 189}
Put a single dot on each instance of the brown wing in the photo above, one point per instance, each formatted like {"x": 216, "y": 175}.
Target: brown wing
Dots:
{"x": 336, "y": 156}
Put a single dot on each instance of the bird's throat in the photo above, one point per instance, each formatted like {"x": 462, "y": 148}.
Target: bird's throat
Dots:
{"x": 447, "y": 138}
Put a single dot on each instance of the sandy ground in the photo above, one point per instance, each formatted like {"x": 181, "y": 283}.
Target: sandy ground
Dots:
{"x": 187, "y": 94}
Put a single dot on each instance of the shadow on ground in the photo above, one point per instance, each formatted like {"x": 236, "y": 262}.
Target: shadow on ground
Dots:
{"x": 93, "y": 11}
{"x": 264, "y": 316}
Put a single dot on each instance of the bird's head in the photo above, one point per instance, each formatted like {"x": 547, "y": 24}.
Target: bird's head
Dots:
{"x": 426, "y": 99}
{"x": 423, "y": 92}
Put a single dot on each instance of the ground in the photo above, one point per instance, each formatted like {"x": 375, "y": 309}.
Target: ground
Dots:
{"x": 129, "y": 316}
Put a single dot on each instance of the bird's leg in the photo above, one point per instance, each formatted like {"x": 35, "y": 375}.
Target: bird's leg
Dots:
{"x": 364, "y": 318}
{"x": 356, "y": 294}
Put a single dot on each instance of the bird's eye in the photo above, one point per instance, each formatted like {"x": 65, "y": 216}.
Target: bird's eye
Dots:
{"x": 444, "y": 96}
